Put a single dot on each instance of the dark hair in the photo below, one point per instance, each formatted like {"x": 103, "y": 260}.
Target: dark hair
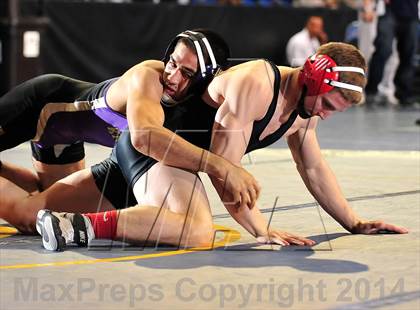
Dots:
{"x": 220, "y": 50}
{"x": 313, "y": 17}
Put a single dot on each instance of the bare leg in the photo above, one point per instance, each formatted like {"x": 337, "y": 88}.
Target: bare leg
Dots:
{"x": 49, "y": 174}
{"x": 44, "y": 177}
{"x": 146, "y": 225}
{"x": 76, "y": 193}
{"x": 22, "y": 177}
{"x": 182, "y": 214}
{"x": 9, "y": 195}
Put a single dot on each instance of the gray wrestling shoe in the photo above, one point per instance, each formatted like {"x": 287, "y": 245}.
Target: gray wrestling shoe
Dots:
{"x": 59, "y": 229}
{"x": 38, "y": 223}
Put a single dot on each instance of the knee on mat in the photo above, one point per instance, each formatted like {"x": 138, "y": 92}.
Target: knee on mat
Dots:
{"x": 202, "y": 235}
{"x": 27, "y": 227}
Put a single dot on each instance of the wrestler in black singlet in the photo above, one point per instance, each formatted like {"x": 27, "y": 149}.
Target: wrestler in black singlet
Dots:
{"x": 193, "y": 120}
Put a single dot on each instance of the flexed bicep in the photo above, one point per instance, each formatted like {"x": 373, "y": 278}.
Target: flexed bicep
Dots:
{"x": 143, "y": 99}
{"x": 230, "y": 141}
{"x": 144, "y": 111}
{"x": 230, "y": 136}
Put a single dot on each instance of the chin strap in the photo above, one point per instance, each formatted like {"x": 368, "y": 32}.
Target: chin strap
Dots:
{"x": 300, "y": 106}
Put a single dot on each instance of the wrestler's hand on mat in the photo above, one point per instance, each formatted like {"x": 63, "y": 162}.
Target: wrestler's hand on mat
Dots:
{"x": 241, "y": 186}
{"x": 284, "y": 238}
{"x": 377, "y": 227}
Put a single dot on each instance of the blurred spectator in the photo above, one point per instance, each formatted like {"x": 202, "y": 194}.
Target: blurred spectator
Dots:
{"x": 305, "y": 43}
{"x": 368, "y": 13}
{"x": 353, "y": 4}
{"x": 367, "y": 27}
{"x": 331, "y": 4}
{"x": 229, "y": 2}
{"x": 400, "y": 21}
{"x": 284, "y": 2}
{"x": 261, "y": 3}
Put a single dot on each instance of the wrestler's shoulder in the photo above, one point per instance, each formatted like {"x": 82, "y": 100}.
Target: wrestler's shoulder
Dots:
{"x": 244, "y": 74}
{"x": 147, "y": 65}
{"x": 144, "y": 69}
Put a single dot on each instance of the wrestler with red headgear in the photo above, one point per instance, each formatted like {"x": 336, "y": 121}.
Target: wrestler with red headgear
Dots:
{"x": 258, "y": 103}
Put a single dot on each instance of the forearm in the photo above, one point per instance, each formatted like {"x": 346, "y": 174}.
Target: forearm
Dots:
{"x": 250, "y": 219}
{"x": 172, "y": 150}
{"x": 323, "y": 185}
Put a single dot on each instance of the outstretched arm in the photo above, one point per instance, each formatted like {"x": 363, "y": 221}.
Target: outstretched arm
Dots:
{"x": 256, "y": 224}
{"x": 231, "y": 144}
{"x": 321, "y": 182}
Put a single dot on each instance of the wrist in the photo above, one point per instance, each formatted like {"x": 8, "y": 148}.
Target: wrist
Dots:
{"x": 356, "y": 227}
{"x": 214, "y": 165}
{"x": 262, "y": 234}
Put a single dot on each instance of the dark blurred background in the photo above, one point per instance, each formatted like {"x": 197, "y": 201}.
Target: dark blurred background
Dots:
{"x": 96, "y": 40}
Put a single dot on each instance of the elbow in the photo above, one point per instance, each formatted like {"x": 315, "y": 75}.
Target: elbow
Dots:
{"x": 141, "y": 139}
{"x": 138, "y": 141}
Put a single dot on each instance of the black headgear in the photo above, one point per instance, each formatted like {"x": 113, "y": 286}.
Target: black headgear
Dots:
{"x": 207, "y": 70}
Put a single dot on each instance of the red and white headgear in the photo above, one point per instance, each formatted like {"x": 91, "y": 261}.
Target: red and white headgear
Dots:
{"x": 320, "y": 75}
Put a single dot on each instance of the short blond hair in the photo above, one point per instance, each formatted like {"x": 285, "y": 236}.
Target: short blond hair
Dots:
{"x": 347, "y": 55}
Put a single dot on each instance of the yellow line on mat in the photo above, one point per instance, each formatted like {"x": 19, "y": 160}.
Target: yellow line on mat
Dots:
{"x": 7, "y": 231}
{"x": 230, "y": 235}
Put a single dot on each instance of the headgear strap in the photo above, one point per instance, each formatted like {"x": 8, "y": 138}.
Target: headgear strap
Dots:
{"x": 200, "y": 42}
{"x": 205, "y": 73}
{"x": 320, "y": 75}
